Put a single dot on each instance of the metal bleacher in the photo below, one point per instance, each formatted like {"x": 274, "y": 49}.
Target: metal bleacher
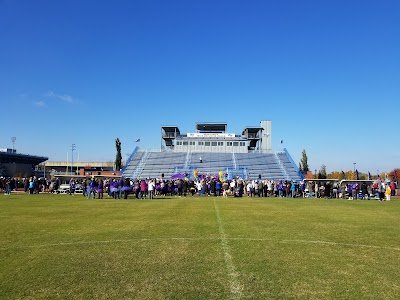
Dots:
{"x": 263, "y": 164}
{"x": 152, "y": 164}
{"x": 288, "y": 165}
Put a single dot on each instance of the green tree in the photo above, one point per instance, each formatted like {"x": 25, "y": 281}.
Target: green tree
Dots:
{"x": 118, "y": 157}
{"x": 322, "y": 172}
{"x": 303, "y": 165}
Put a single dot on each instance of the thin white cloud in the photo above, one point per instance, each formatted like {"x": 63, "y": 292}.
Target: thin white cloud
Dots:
{"x": 40, "y": 103}
{"x": 64, "y": 97}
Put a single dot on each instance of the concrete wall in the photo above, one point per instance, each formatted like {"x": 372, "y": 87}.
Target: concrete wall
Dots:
{"x": 14, "y": 169}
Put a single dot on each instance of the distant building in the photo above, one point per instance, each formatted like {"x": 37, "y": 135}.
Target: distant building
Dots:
{"x": 15, "y": 164}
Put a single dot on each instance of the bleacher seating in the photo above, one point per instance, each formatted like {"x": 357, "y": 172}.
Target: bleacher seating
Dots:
{"x": 252, "y": 165}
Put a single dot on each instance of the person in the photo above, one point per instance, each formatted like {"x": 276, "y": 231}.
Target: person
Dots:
{"x": 335, "y": 190}
{"x": 91, "y": 188}
{"x": 393, "y": 188}
{"x": 287, "y": 189}
{"x": 232, "y": 186}
{"x": 84, "y": 187}
{"x": 8, "y": 186}
{"x": 382, "y": 190}
{"x": 240, "y": 187}
{"x": 179, "y": 184}
{"x": 200, "y": 187}
{"x": 225, "y": 189}
{"x": 293, "y": 189}
{"x": 31, "y": 186}
{"x": 364, "y": 191}
{"x": 120, "y": 184}
{"x": 72, "y": 186}
{"x": 388, "y": 192}
{"x": 261, "y": 189}
{"x": 192, "y": 188}
{"x": 249, "y": 189}
{"x": 185, "y": 186}
{"x": 316, "y": 190}
{"x": 212, "y": 189}
{"x": 270, "y": 188}
{"x": 256, "y": 188}
{"x": 328, "y": 190}
{"x": 218, "y": 187}
{"x": 100, "y": 188}
{"x": 150, "y": 189}
{"x": 280, "y": 189}
{"x": 126, "y": 188}
{"x": 26, "y": 185}
{"x": 114, "y": 188}
{"x": 143, "y": 189}
{"x": 354, "y": 188}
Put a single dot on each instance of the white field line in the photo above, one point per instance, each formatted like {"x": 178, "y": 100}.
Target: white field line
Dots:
{"x": 91, "y": 242}
{"x": 235, "y": 286}
{"x": 317, "y": 242}
{"x": 104, "y": 242}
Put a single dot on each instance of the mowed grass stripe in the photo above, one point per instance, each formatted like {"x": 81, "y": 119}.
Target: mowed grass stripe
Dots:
{"x": 235, "y": 286}
{"x": 138, "y": 240}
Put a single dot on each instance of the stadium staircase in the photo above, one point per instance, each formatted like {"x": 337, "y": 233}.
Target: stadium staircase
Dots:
{"x": 282, "y": 167}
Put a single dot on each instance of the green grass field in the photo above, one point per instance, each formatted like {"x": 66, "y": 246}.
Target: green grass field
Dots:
{"x": 68, "y": 247}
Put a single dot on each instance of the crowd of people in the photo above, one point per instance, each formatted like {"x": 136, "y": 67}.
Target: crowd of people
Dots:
{"x": 207, "y": 186}
{"x": 213, "y": 186}
{"x": 33, "y": 185}
{"x": 121, "y": 188}
{"x": 362, "y": 190}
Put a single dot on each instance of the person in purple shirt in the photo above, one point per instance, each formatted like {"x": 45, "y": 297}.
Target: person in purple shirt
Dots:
{"x": 350, "y": 190}
{"x": 91, "y": 188}
{"x": 114, "y": 188}
{"x": 280, "y": 189}
{"x": 100, "y": 189}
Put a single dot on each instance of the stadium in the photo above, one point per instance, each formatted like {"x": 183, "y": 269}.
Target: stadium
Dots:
{"x": 17, "y": 164}
{"x": 60, "y": 245}
{"x": 211, "y": 150}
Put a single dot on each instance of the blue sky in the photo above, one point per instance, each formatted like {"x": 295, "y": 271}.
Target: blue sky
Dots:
{"x": 327, "y": 73}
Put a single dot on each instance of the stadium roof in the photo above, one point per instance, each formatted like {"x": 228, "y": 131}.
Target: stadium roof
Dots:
{"x": 171, "y": 129}
{"x": 251, "y": 130}
{"x": 211, "y": 127}
{"x": 6, "y": 157}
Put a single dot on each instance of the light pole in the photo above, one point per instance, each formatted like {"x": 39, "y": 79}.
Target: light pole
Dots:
{"x": 354, "y": 167}
{"x": 73, "y": 147}
{"x": 13, "y": 139}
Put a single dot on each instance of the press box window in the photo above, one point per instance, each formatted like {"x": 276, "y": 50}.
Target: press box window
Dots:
{"x": 235, "y": 143}
{"x": 220, "y": 143}
{"x": 213, "y": 143}
{"x": 185, "y": 143}
{"x": 206, "y": 143}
